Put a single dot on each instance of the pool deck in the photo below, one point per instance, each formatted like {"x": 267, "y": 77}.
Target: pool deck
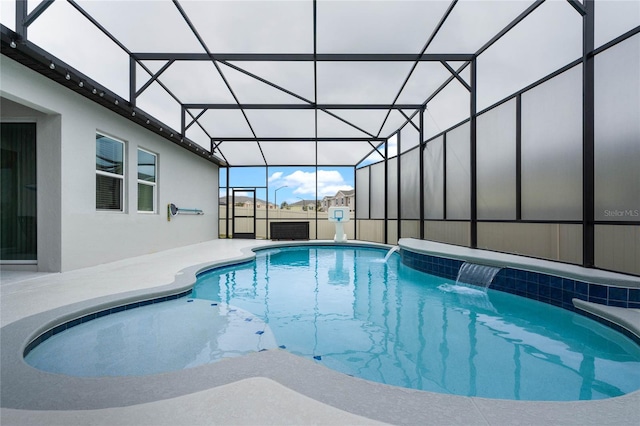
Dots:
{"x": 271, "y": 387}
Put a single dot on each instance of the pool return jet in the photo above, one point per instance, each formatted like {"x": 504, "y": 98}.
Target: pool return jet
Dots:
{"x": 339, "y": 215}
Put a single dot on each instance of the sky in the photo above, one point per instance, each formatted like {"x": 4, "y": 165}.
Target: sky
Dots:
{"x": 293, "y": 184}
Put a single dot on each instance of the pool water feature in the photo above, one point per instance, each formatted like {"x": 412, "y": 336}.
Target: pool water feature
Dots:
{"x": 477, "y": 275}
{"x": 344, "y": 308}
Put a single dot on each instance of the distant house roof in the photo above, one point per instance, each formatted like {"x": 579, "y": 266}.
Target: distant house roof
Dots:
{"x": 242, "y": 199}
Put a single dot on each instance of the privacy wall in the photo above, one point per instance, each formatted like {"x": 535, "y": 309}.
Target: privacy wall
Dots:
{"x": 515, "y": 177}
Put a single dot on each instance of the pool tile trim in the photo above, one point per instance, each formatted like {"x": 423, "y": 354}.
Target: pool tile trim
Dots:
{"x": 547, "y": 288}
{"x": 99, "y": 314}
{"x": 553, "y": 289}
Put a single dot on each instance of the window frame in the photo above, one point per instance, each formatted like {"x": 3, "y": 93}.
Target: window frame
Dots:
{"x": 153, "y": 184}
{"x": 123, "y": 185}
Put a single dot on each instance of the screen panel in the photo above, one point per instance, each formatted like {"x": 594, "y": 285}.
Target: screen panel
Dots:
{"x": 362, "y": 193}
{"x": 410, "y": 184}
{"x": 458, "y": 173}
{"x": 552, "y": 149}
{"x": 617, "y": 132}
{"x": 67, "y": 35}
{"x": 496, "y": 162}
{"x": 614, "y": 18}
{"x": 241, "y": 153}
{"x": 392, "y": 186}
{"x": 228, "y": 26}
{"x": 377, "y": 191}
{"x": 549, "y": 38}
{"x": 448, "y": 108}
{"x": 337, "y": 20}
{"x": 434, "y": 179}
{"x": 289, "y": 153}
{"x": 162, "y": 106}
{"x": 135, "y": 14}
{"x": 409, "y": 136}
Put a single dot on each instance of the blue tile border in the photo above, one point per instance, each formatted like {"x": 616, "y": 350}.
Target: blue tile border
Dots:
{"x": 89, "y": 317}
{"x": 551, "y": 289}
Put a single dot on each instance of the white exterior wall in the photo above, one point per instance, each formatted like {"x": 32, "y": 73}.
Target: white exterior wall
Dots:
{"x": 71, "y": 233}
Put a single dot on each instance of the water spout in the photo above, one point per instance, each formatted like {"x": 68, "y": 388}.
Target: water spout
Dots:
{"x": 476, "y": 275}
{"x": 390, "y": 252}
{"x": 472, "y": 284}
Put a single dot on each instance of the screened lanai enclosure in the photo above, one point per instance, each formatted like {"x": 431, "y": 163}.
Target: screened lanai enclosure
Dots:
{"x": 511, "y": 126}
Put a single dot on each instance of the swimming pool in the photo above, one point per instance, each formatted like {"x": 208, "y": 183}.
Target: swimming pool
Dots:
{"x": 418, "y": 331}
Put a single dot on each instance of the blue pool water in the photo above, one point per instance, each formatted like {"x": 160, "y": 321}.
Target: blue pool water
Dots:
{"x": 349, "y": 310}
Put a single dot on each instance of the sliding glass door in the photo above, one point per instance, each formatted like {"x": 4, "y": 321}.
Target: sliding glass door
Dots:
{"x": 18, "y": 234}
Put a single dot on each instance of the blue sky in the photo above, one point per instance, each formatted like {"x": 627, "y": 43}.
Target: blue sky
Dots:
{"x": 292, "y": 183}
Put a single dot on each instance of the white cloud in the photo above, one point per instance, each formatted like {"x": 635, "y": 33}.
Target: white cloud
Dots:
{"x": 304, "y": 183}
{"x": 274, "y": 177}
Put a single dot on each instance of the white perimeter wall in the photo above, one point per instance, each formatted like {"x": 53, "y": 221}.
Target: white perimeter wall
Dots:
{"x": 71, "y": 233}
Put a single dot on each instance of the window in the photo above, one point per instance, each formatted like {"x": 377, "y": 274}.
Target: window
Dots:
{"x": 109, "y": 173}
{"x": 146, "y": 181}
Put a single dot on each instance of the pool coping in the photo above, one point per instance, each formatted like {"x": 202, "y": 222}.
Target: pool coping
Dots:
{"x": 492, "y": 258}
{"x": 23, "y": 387}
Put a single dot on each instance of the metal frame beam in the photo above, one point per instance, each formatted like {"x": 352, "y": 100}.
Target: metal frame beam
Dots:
{"x": 312, "y": 106}
{"x": 298, "y": 139}
{"x": 153, "y": 78}
{"x": 588, "y": 135}
{"x": 37, "y": 11}
{"x": 473, "y": 205}
{"x": 304, "y": 57}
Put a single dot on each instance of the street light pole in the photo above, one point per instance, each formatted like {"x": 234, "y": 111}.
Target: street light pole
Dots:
{"x": 275, "y": 195}
{"x": 304, "y": 203}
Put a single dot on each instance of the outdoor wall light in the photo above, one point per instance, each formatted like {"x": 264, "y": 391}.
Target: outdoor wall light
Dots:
{"x": 81, "y": 84}
{"x": 52, "y": 66}
{"x": 67, "y": 76}
{"x": 13, "y": 44}
{"x": 101, "y": 94}
{"x": 133, "y": 113}
{"x": 116, "y": 102}
{"x": 94, "y": 91}
{"x": 171, "y": 135}
{"x": 147, "y": 121}
{"x": 160, "y": 128}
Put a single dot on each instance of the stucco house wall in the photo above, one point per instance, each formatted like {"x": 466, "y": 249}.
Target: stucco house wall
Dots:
{"x": 71, "y": 232}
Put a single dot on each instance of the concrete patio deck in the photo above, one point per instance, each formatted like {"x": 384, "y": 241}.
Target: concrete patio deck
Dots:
{"x": 272, "y": 387}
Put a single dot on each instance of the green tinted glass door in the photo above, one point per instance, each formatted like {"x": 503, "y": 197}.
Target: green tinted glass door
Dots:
{"x": 18, "y": 197}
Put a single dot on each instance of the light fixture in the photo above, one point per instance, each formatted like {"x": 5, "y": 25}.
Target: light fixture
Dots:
{"x": 94, "y": 91}
{"x": 68, "y": 77}
{"x": 147, "y": 121}
{"x": 171, "y": 135}
{"x": 52, "y": 66}
{"x": 160, "y": 128}
{"x": 133, "y": 113}
{"x": 81, "y": 84}
{"x": 116, "y": 102}
{"x": 13, "y": 44}
{"x": 101, "y": 94}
